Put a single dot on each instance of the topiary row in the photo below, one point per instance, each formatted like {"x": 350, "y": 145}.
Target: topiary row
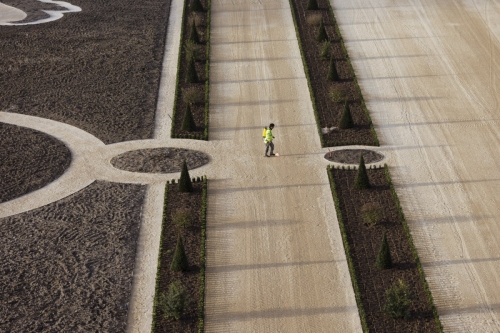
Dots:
{"x": 189, "y": 51}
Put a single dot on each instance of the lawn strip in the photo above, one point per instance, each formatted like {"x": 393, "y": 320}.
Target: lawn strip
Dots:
{"x": 194, "y": 240}
{"x": 199, "y": 105}
{"x": 328, "y": 112}
{"x": 362, "y": 243}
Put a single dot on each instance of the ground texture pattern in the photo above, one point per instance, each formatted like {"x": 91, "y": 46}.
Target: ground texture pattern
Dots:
{"x": 68, "y": 265}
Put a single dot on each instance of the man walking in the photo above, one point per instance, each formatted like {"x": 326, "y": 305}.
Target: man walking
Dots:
{"x": 268, "y": 140}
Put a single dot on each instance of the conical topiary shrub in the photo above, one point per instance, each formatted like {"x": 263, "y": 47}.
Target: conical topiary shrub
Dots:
{"x": 312, "y": 5}
{"x": 196, "y": 6}
{"x": 192, "y": 76}
{"x": 179, "y": 262}
{"x": 333, "y": 75}
{"x": 322, "y": 36}
{"x": 346, "y": 119}
{"x": 362, "y": 182}
{"x": 185, "y": 184}
{"x": 194, "y": 37}
{"x": 188, "y": 123}
{"x": 384, "y": 260}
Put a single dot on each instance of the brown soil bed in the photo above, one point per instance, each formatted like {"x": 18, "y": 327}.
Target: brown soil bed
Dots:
{"x": 353, "y": 156}
{"x": 329, "y": 112}
{"x": 67, "y": 266}
{"x": 192, "y": 243}
{"x": 197, "y": 108}
{"x": 97, "y": 69}
{"x": 160, "y": 160}
{"x": 364, "y": 242}
{"x": 29, "y": 160}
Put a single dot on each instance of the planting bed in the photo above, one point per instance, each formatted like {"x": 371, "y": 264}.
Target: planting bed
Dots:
{"x": 193, "y": 238}
{"x": 159, "y": 160}
{"x": 200, "y": 88}
{"x": 67, "y": 266}
{"x": 97, "y": 69}
{"x": 29, "y": 160}
{"x": 363, "y": 242}
{"x": 352, "y": 156}
{"x": 329, "y": 112}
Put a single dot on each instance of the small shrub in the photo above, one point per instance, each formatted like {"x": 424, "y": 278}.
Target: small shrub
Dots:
{"x": 372, "y": 214}
{"x": 362, "y": 182}
{"x": 193, "y": 50}
{"x": 325, "y": 52}
{"x": 346, "y": 119}
{"x": 333, "y": 75}
{"x": 193, "y": 36}
{"x": 312, "y": 5}
{"x": 198, "y": 179}
{"x": 192, "y": 96}
{"x": 188, "y": 123}
{"x": 337, "y": 95}
{"x": 182, "y": 218}
{"x": 314, "y": 19}
{"x": 398, "y": 300}
{"x": 172, "y": 304}
{"x": 322, "y": 36}
{"x": 384, "y": 260}
{"x": 196, "y": 6}
{"x": 179, "y": 261}
{"x": 192, "y": 76}
{"x": 185, "y": 182}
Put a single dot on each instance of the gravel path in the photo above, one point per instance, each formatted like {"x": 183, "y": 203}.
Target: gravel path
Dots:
{"x": 430, "y": 75}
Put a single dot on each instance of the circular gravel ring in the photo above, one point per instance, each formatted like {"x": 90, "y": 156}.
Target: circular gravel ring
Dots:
{"x": 159, "y": 160}
{"x": 352, "y": 156}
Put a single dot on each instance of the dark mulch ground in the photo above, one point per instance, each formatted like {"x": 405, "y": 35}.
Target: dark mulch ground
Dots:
{"x": 192, "y": 242}
{"x": 364, "y": 242}
{"x": 329, "y": 112}
{"x": 159, "y": 160}
{"x": 67, "y": 266}
{"x": 29, "y": 160}
{"x": 353, "y": 156}
{"x": 97, "y": 69}
{"x": 198, "y": 109}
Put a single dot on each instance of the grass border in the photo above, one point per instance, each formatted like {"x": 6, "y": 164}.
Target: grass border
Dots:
{"x": 207, "y": 73}
{"x": 347, "y": 250}
{"x": 413, "y": 248}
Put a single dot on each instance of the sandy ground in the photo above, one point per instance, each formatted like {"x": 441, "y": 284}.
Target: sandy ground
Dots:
{"x": 8, "y": 14}
{"x": 275, "y": 261}
{"x": 429, "y": 71}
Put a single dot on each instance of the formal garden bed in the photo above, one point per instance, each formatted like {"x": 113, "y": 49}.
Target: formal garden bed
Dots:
{"x": 180, "y": 285}
{"x": 367, "y": 218}
{"x": 190, "y": 114}
{"x": 331, "y": 78}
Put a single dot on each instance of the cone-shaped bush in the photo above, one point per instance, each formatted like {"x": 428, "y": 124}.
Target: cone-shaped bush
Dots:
{"x": 196, "y": 6}
{"x": 322, "y": 36}
{"x": 312, "y": 5}
{"x": 333, "y": 75}
{"x": 179, "y": 262}
{"x": 185, "y": 184}
{"x": 192, "y": 76}
{"x": 194, "y": 37}
{"x": 384, "y": 260}
{"x": 362, "y": 182}
{"x": 188, "y": 123}
{"x": 346, "y": 119}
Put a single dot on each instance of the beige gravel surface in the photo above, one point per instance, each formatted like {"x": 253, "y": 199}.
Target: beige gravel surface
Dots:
{"x": 429, "y": 71}
{"x": 275, "y": 260}
{"x": 10, "y": 14}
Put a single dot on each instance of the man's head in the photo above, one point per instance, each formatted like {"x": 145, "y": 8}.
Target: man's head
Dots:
{"x": 271, "y": 125}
